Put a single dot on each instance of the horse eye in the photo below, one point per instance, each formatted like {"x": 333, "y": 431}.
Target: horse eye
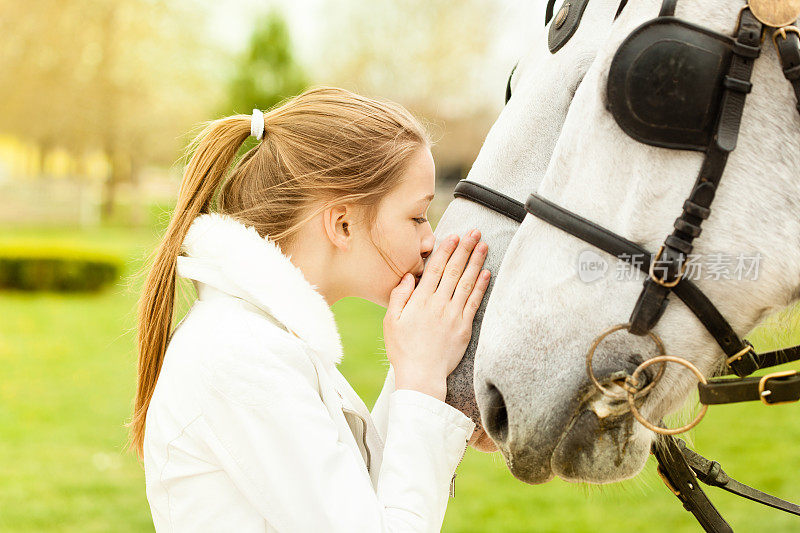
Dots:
{"x": 508, "y": 85}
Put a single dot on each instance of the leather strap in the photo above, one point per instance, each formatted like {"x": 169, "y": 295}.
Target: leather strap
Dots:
{"x": 681, "y": 468}
{"x": 681, "y": 480}
{"x": 653, "y": 299}
{"x": 667, "y": 8}
{"x": 498, "y": 202}
{"x": 789, "y": 52}
{"x": 548, "y": 13}
{"x": 508, "y": 84}
{"x": 620, "y": 7}
{"x": 626, "y": 250}
{"x": 688, "y": 292}
{"x": 711, "y": 473}
{"x": 566, "y": 24}
{"x": 779, "y": 357}
{"x": 778, "y": 389}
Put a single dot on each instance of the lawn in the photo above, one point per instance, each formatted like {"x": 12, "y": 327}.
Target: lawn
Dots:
{"x": 68, "y": 368}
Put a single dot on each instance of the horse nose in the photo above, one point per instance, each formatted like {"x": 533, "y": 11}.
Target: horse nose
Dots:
{"x": 495, "y": 417}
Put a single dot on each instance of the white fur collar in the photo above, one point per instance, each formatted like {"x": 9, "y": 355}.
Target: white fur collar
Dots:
{"x": 222, "y": 252}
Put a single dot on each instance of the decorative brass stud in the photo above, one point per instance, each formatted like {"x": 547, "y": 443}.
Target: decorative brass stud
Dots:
{"x": 775, "y": 13}
{"x": 561, "y": 16}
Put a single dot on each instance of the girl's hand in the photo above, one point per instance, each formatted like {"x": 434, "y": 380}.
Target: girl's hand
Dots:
{"x": 426, "y": 330}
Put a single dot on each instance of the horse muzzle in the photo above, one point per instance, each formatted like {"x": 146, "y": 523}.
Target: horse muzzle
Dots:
{"x": 586, "y": 435}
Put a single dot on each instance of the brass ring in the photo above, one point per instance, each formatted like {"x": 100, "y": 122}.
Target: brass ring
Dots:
{"x": 638, "y": 416}
{"x": 660, "y": 281}
{"x": 594, "y": 346}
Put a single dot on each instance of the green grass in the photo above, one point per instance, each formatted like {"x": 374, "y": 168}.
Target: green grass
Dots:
{"x": 68, "y": 367}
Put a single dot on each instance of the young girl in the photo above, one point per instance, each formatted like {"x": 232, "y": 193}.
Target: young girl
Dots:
{"x": 241, "y": 416}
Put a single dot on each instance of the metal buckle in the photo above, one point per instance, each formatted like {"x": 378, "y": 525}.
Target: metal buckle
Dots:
{"x": 763, "y": 392}
{"x": 660, "y": 281}
{"x": 738, "y": 355}
{"x": 666, "y": 481}
{"x": 782, "y": 32}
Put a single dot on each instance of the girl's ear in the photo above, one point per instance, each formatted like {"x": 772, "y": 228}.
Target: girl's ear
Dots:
{"x": 337, "y": 221}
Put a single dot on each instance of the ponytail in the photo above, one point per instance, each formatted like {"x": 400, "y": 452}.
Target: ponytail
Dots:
{"x": 214, "y": 150}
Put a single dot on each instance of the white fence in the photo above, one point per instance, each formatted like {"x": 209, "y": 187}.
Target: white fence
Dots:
{"x": 49, "y": 202}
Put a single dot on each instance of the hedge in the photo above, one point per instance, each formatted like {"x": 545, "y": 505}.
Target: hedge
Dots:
{"x": 56, "y": 267}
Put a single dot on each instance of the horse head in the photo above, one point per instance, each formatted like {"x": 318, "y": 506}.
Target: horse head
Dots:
{"x": 514, "y": 158}
{"x": 536, "y": 400}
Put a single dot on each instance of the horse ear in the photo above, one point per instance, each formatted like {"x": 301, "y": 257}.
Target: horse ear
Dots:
{"x": 622, "y": 5}
{"x": 508, "y": 85}
{"x": 548, "y": 14}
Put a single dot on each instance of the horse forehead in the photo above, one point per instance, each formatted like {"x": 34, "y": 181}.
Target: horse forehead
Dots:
{"x": 543, "y": 90}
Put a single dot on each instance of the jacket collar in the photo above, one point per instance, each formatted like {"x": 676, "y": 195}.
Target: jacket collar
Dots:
{"x": 221, "y": 252}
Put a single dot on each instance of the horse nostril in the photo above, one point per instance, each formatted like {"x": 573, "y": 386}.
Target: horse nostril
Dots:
{"x": 496, "y": 417}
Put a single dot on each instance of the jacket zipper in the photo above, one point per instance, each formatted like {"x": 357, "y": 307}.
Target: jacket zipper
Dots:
{"x": 453, "y": 480}
{"x": 363, "y": 434}
{"x": 369, "y": 456}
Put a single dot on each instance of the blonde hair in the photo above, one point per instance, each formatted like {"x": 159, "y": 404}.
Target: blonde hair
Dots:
{"x": 322, "y": 147}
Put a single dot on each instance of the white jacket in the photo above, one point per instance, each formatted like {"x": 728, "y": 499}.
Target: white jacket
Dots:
{"x": 253, "y": 428}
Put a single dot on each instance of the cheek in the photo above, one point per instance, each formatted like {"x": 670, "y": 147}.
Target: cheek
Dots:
{"x": 400, "y": 242}
{"x": 405, "y": 248}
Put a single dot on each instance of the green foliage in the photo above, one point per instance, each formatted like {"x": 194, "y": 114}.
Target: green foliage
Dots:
{"x": 266, "y": 72}
{"x": 55, "y": 267}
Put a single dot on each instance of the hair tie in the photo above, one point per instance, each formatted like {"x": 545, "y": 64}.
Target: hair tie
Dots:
{"x": 257, "y": 124}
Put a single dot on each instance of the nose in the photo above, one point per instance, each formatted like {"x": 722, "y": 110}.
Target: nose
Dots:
{"x": 495, "y": 419}
{"x": 426, "y": 246}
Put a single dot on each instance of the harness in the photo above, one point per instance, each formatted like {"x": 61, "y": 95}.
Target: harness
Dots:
{"x": 676, "y": 85}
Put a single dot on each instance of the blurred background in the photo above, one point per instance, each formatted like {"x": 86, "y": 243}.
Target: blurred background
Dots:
{"x": 98, "y": 100}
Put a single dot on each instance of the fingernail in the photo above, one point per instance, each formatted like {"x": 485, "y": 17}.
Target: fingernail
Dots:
{"x": 453, "y": 239}
{"x": 485, "y": 274}
{"x": 475, "y": 234}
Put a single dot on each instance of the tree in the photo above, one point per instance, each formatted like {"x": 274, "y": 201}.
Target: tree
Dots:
{"x": 266, "y": 72}
{"x": 428, "y": 54}
{"x": 128, "y": 77}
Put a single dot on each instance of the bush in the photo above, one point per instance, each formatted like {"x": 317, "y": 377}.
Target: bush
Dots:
{"x": 43, "y": 267}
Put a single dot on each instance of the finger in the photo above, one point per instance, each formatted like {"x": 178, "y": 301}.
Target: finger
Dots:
{"x": 400, "y": 295}
{"x": 476, "y": 297}
{"x": 455, "y": 266}
{"x": 435, "y": 265}
{"x": 470, "y": 276}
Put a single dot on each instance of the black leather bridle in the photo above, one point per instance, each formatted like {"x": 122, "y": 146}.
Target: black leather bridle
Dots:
{"x": 679, "y": 466}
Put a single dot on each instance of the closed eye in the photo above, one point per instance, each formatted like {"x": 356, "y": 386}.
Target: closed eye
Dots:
{"x": 420, "y": 220}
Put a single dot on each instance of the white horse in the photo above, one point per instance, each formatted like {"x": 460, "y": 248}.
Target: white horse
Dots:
{"x": 514, "y": 158}
{"x": 535, "y": 399}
